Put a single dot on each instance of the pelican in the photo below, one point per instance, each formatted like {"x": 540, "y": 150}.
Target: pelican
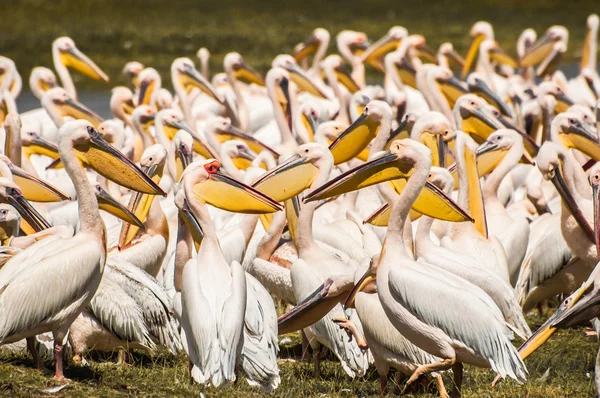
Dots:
{"x": 402, "y": 282}
{"x": 46, "y": 259}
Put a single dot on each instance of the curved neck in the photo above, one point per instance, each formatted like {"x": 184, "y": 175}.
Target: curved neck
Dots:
{"x": 200, "y": 212}
{"x": 333, "y": 82}
{"x": 438, "y": 101}
{"x": 590, "y": 48}
{"x": 492, "y": 183}
{"x": 183, "y": 251}
{"x": 270, "y": 240}
{"x": 280, "y": 119}
{"x": 63, "y": 74}
{"x": 305, "y": 237}
{"x": 156, "y": 221}
{"x": 319, "y": 55}
{"x": 159, "y": 134}
{"x": 228, "y": 165}
{"x": 89, "y": 215}
{"x": 52, "y": 111}
{"x": 243, "y": 114}
{"x": 184, "y": 101}
{"x": 12, "y": 143}
{"x": 484, "y": 65}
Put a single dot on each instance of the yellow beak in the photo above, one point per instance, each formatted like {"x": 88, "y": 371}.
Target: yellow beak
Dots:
{"x": 246, "y": 73}
{"x": 302, "y": 80}
{"x": 80, "y": 62}
{"x": 191, "y": 77}
{"x": 303, "y": 50}
{"x": 232, "y": 133}
{"x": 34, "y": 188}
{"x": 582, "y": 138}
{"x": 77, "y": 110}
{"x": 540, "y": 50}
{"x": 109, "y": 204}
{"x": 31, "y": 220}
{"x": 354, "y": 140}
{"x": 288, "y": 179}
{"x": 471, "y": 55}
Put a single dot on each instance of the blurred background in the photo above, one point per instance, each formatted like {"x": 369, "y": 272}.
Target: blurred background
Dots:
{"x": 154, "y": 32}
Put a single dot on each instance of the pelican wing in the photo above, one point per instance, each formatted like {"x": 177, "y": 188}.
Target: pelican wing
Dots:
{"x": 119, "y": 313}
{"x": 464, "y": 316}
{"x": 259, "y": 354}
{"x": 275, "y": 278}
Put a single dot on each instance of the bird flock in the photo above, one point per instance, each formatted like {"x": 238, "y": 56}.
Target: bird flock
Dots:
{"x": 409, "y": 224}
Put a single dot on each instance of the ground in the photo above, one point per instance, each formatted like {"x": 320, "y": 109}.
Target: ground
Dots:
{"x": 155, "y": 32}
{"x": 563, "y": 367}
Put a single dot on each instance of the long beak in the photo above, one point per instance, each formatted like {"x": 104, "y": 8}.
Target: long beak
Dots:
{"x": 344, "y": 77}
{"x": 538, "y": 51}
{"x": 427, "y": 54}
{"x": 288, "y": 179}
{"x": 308, "y": 311}
{"x": 452, "y": 89}
{"x": 145, "y": 92}
{"x": 479, "y": 87}
{"x": 112, "y": 164}
{"x": 367, "y": 278}
{"x": 562, "y": 314}
{"x": 40, "y": 146}
{"x": 471, "y": 55}
{"x": 388, "y": 167}
{"x": 380, "y": 48}
{"x": 109, "y": 204}
{"x": 436, "y": 144}
{"x": 302, "y": 80}
{"x": 407, "y": 73}
{"x": 489, "y": 155}
{"x": 183, "y": 157}
{"x": 193, "y": 224}
{"x": 552, "y": 62}
{"x": 232, "y": 133}
{"x": 402, "y": 132}
{"x": 499, "y": 56}
{"x": 563, "y": 103}
{"x": 561, "y": 186}
{"x": 77, "y": 110}
{"x": 36, "y": 189}
{"x": 456, "y": 59}
{"x": 229, "y": 194}
{"x": 352, "y": 141}
{"x": 310, "y": 124}
{"x": 480, "y": 124}
{"x": 247, "y": 73}
{"x": 380, "y": 217}
{"x": 531, "y": 148}
{"x": 196, "y": 79}
{"x": 200, "y": 146}
{"x": 31, "y": 219}
{"x": 139, "y": 206}
{"x": 303, "y": 50}
{"x": 79, "y": 61}
{"x": 583, "y": 139}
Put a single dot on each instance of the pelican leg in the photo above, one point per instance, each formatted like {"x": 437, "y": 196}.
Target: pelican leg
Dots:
{"x": 597, "y": 374}
{"x": 457, "y": 370}
{"x": 58, "y": 358}
{"x": 122, "y": 357}
{"x": 430, "y": 367}
{"x": 317, "y": 362}
{"x": 34, "y": 353}
{"x": 304, "y": 346}
{"x": 352, "y": 330}
{"x": 383, "y": 380}
{"x": 441, "y": 388}
{"x": 190, "y": 367}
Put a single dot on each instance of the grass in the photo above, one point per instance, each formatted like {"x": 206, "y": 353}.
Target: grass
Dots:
{"x": 154, "y": 32}
{"x": 567, "y": 358}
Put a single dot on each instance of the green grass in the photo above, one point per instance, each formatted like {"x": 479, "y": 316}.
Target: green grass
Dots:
{"x": 568, "y": 355}
{"x": 154, "y": 32}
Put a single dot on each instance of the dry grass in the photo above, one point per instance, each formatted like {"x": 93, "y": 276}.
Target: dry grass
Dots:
{"x": 568, "y": 358}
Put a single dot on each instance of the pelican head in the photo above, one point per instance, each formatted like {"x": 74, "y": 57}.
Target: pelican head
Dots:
{"x": 71, "y": 56}
{"x": 572, "y": 132}
{"x": 33, "y": 144}
{"x": 11, "y": 194}
{"x": 144, "y": 116}
{"x": 131, "y": 70}
{"x": 111, "y": 205}
{"x": 550, "y": 88}
{"x": 434, "y": 130}
{"x": 474, "y": 117}
{"x": 7, "y": 73}
{"x": 544, "y": 46}
{"x": 41, "y": 80}
{"x": 351, "y": 43}
{"x": 182, "y": 153}
{"x": 172, "y": 120}
{"x": 448, "y": 56}
{"x": 309, "y": 117}
{"x": 152, "y": 164}
{"x": 239, "y": 153}
{"x": 451, "y": 87}
{"x": 235, "y": 63}
{"x": 149, "y": 82}
{"x": 480, "y": 31}
{"x": 360, "y": 133}
{"x": 298, "y": 75}
{"x": 10, "y": 219}
{"x": 491, "y": 152}
{"x": 296, "y": 174}
{"x": 96, "y": 153}
{"x": 113, "y": 131}
{"x": 184, "y": 73}
{"x": 303, "y": 50}
{"x": 335, "y": 63}
{"x": 204, "y": 182}
{"x": 329, "y": 131}
{"x": 525, "y": 41}
{"x": 222, "y": 130}
{"x": 121, "y": 102}
{"x": 58, "y": 102}
{"x": 389, "y": 42}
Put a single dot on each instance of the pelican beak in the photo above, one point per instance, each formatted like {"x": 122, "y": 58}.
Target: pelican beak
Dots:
{"x": 139, "y": 206}
{"x": 229, "y": 194}
{"x": 531, "y": 148}
{"x": 551, "y": 63}
{"x": 380, "y": 217}
{"x": 303, "y": 50}
{"x": 288, "y": 179}
{"x": 354, "y": 140}
{"x": 34, "y": 188}
{"x": 480, "y": 88}
{"x": 563, "y": 190}
{"x": 436, "y": 144}
{"x": 540, "y": 50}
{"x": 31, "y": 221}
{"x": 582, "y": 138}
{"x": 107, "y": 161}
{"x": 388, "y": 167}
{"x": 247, "y": 73}
{"x": 112, "y": 206}
{"x": 145, "y": 91}
{"x": 480, "y": 123}
{"x": 344, "y": 77}
{"x": 452, "y": 89}
{"x": 310, "y": 123}
{"x": 77, "y": 110}
{"x": 308, "y": 311}
{"x": 471, "y": 55}
{"x": 201, "y": 147}
{"x": 498, "y": 55}
{"x": 456, "y": 58}
{"x": 427, "y": 54}
{"x": 368, "y": 277}
{"x": 302, "y": 80}
{"x": 381, "y": 47}
{"x": 232, "y": 133}
{"x": 128, "y": 107}
{"x": 244, "y": 159}
{"x": 183, "y": 157}
{"x": 563, "y": 102}
{"x": 194, "y": 78}
{"x": 402, "y": 132}
{"x": 46, "y": 85}
{"x": 407, "y": 73}
{"x": 36, "y": 145}
{"x": 283, "y": 94}
{"x": 80, "y": 62}
{"x": 489, "y": 155}
{"x": 549, "y": 327}
{"x": 192, "y": 224}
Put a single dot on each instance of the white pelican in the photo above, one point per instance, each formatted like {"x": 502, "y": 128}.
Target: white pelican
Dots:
{"x": 44, "y": 262}
{"x": 453, "y": 322}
